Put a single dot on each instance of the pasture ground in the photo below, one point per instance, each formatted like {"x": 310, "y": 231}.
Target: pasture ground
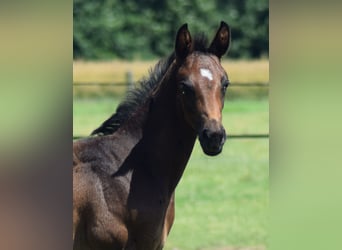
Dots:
{"x": 222, "y": 201}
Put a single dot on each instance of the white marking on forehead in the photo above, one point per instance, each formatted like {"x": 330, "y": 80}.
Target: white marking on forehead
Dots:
{"x": 207, "y": 73}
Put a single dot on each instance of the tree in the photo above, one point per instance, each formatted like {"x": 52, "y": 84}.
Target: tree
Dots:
{"x": 144, "y": 29}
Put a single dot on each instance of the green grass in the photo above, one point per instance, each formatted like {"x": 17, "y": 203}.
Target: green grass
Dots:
{"x": 239, "y": 116}
{"x": 88, "y": 114}
{"x": 220, "y": 201}
{"x": 223, "y": 201}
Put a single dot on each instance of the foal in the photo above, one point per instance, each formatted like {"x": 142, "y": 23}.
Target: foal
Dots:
{"x": 124, "y": 178}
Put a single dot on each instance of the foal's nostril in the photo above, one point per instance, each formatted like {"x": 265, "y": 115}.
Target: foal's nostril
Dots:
{"x": 215, "y": 137}
{"x": 205, "y": 133}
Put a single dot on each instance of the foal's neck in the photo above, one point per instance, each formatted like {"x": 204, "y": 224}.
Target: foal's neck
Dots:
{"x": 169, "y": 137}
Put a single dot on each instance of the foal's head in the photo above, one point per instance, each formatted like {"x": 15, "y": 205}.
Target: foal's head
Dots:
{"x": 202, "y": 84}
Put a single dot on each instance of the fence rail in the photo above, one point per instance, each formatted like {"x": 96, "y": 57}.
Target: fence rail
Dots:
{"x": 130, "y": 83}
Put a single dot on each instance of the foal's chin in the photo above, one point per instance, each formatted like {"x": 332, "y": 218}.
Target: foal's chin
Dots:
{"x": 211, "y": 151}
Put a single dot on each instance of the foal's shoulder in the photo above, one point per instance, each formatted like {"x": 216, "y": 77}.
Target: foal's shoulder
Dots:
{"x": 97, "y": 154}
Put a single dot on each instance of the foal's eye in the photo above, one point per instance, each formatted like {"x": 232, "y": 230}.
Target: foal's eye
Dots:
{"x": 225, "y": 84}
{"x": 185, "y": 88}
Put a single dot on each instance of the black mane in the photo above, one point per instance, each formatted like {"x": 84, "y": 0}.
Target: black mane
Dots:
{"x": 138, "y": 96}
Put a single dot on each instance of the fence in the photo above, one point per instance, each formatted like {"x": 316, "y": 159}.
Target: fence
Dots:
{"x": 130, "y": 84}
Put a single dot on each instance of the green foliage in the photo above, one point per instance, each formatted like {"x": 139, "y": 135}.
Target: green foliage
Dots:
{"x": 145, "y": 29}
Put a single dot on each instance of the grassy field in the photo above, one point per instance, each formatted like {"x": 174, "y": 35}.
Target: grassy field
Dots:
{"x": 242, "y": 72}
{"x": 222, "y": 201}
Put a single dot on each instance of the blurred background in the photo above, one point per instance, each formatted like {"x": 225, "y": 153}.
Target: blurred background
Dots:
{"x": 36, "y": 100}
{"x": 221, "y": 202}
{"x": 121, "y": 29}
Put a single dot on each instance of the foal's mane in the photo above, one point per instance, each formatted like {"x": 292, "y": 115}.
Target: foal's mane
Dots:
{"x": 137, "y": 97}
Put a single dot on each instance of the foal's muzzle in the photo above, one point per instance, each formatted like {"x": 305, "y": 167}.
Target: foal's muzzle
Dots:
{"x": 212, "y": 138}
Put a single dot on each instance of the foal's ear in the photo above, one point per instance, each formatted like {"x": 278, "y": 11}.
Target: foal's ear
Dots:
{"x": 221, "y": 42}
{"x": 184, "y": 44}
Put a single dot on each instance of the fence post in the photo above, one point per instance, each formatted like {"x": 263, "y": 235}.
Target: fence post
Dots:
{"x": 129, "y": 79}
